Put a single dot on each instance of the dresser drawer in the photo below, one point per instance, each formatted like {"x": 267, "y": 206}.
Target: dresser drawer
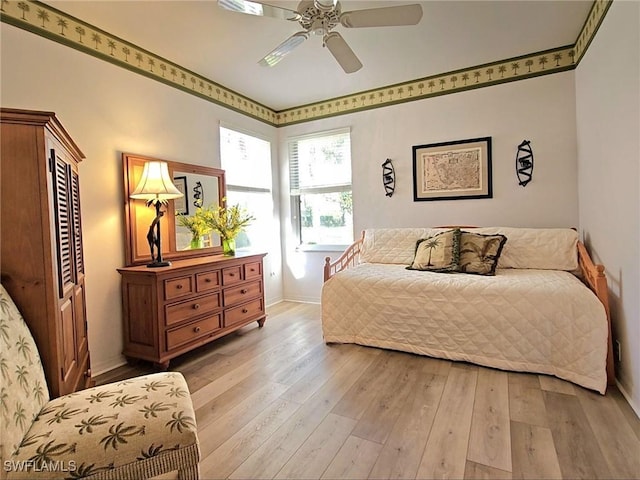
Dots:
{"x": 207, "y": 281}
{"x": 253, "y": 270}
{"x": 242, "y": 293}
{"x": 180, "y": 336}
{"x": 194, "y": 307}
{"x": 231, "y": 275}
{"x": 242, "y": 313}
{"x": 178, "y": 287}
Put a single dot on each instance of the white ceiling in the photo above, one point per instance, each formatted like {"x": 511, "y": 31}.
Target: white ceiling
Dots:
{"x": 225, "y": 46}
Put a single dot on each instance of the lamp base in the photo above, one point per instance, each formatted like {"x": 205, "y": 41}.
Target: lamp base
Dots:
{"x": 158, "y": 264}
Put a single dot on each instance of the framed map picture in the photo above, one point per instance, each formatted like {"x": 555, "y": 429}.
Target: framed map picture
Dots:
{"x": 452, "y": 170}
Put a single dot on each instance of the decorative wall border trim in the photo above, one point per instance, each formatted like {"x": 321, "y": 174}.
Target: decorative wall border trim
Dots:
{"x": 51, "y": 23}
{"x": 591, "y": 25}
{"x": 494, "y": 73}
{"x": 509, "y": 70}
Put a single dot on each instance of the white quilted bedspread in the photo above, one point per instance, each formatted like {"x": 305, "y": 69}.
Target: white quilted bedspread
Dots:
{"x": 542, "y": 321}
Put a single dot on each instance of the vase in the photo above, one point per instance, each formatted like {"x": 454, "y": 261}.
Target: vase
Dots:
{"x": 229, "y": 246}
{"x": 196, "y": 242}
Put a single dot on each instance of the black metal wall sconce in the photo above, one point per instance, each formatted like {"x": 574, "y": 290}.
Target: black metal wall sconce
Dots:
{"x": 524, "y": 163}
{"x": 388, "y": 177}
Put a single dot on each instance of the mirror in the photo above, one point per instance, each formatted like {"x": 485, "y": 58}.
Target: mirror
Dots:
{"x": 199, "y": 191}
{"x": 202, "y": 186}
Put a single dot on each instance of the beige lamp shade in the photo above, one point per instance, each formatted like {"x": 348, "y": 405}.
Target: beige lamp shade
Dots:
{"x": 156, "y": 184}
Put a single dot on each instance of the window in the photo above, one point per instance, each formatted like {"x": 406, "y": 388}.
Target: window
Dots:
{"x": 246, "y": 161}
{"x": 320, "y": 179}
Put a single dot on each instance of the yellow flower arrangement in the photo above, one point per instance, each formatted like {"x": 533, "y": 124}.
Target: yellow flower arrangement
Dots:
{"x": 197, "y": 224}
{"x": 228, "y": 221}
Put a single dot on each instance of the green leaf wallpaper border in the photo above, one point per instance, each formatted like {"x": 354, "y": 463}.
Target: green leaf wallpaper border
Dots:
{"x": 53, "y": 24}
{"x": 509, "y": 70}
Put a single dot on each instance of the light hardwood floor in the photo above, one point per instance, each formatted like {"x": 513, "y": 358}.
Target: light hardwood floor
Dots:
{"x": 278, "y": 403}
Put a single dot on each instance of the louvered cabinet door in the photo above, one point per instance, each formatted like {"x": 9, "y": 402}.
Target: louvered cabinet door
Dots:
{"x": 77, "y": 225}
{"x": 63, "y": 222}
{"x": 71, "y": 330}
{"x": 82, "y": 341}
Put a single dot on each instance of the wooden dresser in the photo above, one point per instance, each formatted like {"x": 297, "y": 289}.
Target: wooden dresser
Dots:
{"x": 171, "y": 310}
{"x": 41, "y": 253}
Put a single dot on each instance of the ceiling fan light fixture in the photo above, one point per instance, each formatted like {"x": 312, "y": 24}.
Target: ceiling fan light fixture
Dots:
{"x": 318, "y": 27}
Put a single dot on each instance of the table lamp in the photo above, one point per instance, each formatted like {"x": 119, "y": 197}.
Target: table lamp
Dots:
{"x": 156, "y": 187}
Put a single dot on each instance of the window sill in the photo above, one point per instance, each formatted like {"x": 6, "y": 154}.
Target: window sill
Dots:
{"x": 321, "y": 248}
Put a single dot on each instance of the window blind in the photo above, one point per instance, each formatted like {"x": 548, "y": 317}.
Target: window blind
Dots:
{"x": 320, "y": 163}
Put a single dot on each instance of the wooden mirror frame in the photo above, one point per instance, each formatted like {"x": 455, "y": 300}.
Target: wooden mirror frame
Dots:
{"x": 138, "y": 216}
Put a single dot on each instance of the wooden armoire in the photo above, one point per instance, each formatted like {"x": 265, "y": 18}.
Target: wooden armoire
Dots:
{"x": 42, "y": 265}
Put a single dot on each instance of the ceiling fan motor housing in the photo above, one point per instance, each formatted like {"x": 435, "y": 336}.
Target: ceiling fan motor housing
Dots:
{"x": 319, "y": 16}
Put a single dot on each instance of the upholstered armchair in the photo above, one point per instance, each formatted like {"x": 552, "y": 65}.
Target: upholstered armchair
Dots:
{"x": 138, "y": 428}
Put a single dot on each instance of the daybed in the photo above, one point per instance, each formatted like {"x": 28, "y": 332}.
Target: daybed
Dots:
{"x": 532, "y": 313}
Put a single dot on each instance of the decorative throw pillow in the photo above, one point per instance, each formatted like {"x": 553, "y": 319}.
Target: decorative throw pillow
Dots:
{"x": 479, "y": 253}
{"x": 438, "y": 253}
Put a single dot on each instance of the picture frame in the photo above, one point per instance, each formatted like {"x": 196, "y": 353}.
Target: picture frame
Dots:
{"x": 181, "y": 205}
{"x": 455, "y": 170}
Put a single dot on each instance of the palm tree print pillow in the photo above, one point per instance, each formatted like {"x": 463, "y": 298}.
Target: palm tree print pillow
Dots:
{"x": 479, "y": 254}
{"x": 438, "y": 253}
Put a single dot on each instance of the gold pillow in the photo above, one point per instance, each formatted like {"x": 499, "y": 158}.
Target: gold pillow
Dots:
{"x": 479, "y": 253}
{"x": 438, "y": 253}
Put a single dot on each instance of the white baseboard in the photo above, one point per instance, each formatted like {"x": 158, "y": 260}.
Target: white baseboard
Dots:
{"x": 628, "y": 398}
{"x": 314, "y": 300}
{"x": 107, "y": 365}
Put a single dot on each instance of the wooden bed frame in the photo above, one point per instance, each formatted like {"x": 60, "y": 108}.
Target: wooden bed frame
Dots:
{"x": 592, "y": 275}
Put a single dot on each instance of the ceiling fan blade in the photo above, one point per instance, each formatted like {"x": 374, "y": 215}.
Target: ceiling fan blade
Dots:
{"x": 382, "y": 17}
{"x": 259, "y": 8}
{"x": 342, "y": 52}
{"x": 283, "y": 49}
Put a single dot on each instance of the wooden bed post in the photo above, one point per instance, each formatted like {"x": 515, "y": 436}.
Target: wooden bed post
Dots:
{"x": 327, "y": 268}
{"x": 596, "y": 280}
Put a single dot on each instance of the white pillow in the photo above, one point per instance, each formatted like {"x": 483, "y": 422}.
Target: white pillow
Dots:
{"x": 538, "y": 248}
{"x": 392, "y": 245}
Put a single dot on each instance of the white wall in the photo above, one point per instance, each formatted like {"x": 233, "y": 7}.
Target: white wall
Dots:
{"x": 541, "y": 110}
{"x": 608, "y": 126}
{"x": 108, "y": 110}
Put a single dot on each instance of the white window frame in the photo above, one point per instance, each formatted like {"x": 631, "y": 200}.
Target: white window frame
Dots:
{"x": 295, "y": 191}
{"x": 230, "y": 187}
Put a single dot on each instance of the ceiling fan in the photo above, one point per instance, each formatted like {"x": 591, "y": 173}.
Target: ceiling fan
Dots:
{"x": 319, "y": 17}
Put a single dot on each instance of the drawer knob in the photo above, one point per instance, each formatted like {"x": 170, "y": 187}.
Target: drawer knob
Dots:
{"x": 196, "y": 329}
{"x": 243, "y": 291}
{"x": 179, "y": 286}
{"x": 207, "y": 280}
{"x": 196, "y": 306}
{"x": 244, "y": 310}
{"x": 231, "y": 274}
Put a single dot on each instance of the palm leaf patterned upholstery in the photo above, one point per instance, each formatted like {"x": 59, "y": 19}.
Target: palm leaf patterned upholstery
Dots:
{"x": 137, "y": 428}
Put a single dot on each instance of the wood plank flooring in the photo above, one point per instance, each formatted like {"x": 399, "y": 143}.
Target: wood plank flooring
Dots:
{"x": 277, "y": 402}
